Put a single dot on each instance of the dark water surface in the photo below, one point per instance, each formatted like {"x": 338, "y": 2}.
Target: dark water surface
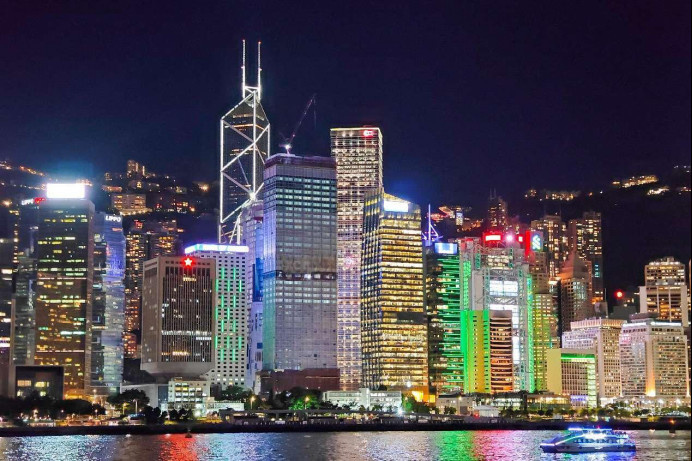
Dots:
{"x": 396, "y": 446}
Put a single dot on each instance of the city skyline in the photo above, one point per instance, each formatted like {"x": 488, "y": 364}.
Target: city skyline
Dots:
{"x": 365, "y": 264}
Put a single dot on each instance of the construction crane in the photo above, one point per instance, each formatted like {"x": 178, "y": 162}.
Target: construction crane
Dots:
{"x": 289, "y": 140}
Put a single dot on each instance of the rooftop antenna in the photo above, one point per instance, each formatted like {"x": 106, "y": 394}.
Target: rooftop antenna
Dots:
{"x": 259, "y": 70}
{"x": 431, "y": 235}
{"x": 243, "y": 69}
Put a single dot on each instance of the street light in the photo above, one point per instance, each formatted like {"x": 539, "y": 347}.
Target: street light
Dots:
{"x": 307, "y": 399}
{"x": 252, "y": 399}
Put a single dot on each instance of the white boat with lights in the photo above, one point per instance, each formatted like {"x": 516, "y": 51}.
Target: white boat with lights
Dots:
{"x": 587, "y": 440}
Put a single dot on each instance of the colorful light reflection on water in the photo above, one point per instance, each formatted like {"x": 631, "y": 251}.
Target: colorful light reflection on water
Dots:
{"x": 395, "y": 446}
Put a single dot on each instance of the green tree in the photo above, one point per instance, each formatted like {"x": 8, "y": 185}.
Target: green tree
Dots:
{"x": 131, "y": 399}
{"x": 235, "y": 393}
{"x": 450, "y": 410}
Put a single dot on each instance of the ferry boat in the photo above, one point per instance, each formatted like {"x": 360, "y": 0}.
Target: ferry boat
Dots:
{"x": 587, "y": 440}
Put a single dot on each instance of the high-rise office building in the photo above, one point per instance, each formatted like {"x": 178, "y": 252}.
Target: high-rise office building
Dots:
{"x": 393, "y": 322}
{"x": 245, "y": 144}
{"x": 543, "y": 316}
{"x": 23, "y": 314}
{"x": 299, "y": 263}
{"x": 108, "y": 305}
{"x": 178, "y": 304}
{"x": 496, "y": 288}
{"x": 665, "y": 291}
{"x": 6, "y": 269}
{"x": 603, "y": 337}
{"x": 145, "y": 240}
{"x": 653, "y": 360}
{"x": 497, "y": 213}
{"x": 573, "y": 372}
{"x": 555, "y": 242}
{"x": 443, "y": 310}
{"x": 253, "y": 238}
{"x": 586, "y": 239}
{"x": 575, "y": 292}
{"x": 230, "y": 317}
{"x": 65, "y": 266}
{"x": 358, "y": 155}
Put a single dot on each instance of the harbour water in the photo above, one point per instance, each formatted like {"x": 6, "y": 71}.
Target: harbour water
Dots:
{"x": 395, "y": 446}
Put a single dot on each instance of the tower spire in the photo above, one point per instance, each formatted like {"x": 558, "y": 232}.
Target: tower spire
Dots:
{"x": 243, "y": 70}
{"x": 259, "y": 70}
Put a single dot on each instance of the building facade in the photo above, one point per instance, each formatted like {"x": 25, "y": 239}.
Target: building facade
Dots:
{"x": 555, "y": 241}
{"x": 653, "y": 360}
{"x": 393, "y": 322}
{"x": 230, "y": 316}
{"x": 496, "y": 288}
{"x": 108, "y": 305}
{"x": 358, "y": 155}
{"x": 65, "y": 270}
{"x": 178, "y": 305}
{"x": 252, "y": 237}
{"x": 586, "y": 239}
{"x": 442, "y": 278}
{"x": 299, "y": 263}
{"x": 665, "y": 291}
{"x": 575, "y": 293}
{"x": 603, "y": 337}
{"x": 145, "y": 240}
{"x": 572, "y": 372}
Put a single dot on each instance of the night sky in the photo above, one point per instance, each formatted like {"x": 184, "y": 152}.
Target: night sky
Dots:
{"x": 470, "y": 95}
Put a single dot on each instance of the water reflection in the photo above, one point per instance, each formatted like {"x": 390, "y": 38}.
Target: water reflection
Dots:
{"x": 394, "y": 446}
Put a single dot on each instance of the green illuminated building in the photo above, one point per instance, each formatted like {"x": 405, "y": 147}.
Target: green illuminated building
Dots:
{"x": 443, "y": 309}
{"x": 230, "y": 314}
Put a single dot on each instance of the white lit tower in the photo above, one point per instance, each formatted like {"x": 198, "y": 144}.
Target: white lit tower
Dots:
{"x": 245, "y": 141}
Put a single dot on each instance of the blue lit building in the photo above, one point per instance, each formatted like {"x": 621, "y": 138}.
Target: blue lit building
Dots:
{"x": 299, "y": 267}
{"x": 108, "y": 311}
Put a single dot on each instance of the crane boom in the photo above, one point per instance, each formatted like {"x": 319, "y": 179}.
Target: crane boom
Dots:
{"x": 287, "y": 141}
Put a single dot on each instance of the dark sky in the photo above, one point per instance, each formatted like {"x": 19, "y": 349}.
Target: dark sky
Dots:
{"x": 470, "y": 95}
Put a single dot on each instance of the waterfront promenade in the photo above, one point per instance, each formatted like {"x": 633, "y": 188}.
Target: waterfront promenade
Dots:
{"x": 339, "y": 426}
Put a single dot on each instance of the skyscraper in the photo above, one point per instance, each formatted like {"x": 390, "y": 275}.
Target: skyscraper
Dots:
{"x": 653, "y": 360}
{"x": 575, "y": 292}
{"x": 230, "y": 317}
{"x": 393, "y": 322}
{"x": 555, "y": 242}
{"x": 358, "y": 155}
{"x": 108, "y": 311}
{"x": 299, "y": 263}
{"x": 23, "y": 314}
{"x": 252, "y": 237}
{"x": 544, "y": 316}
{"x": 178, "y": 303}
{"x": 496, "y": 288}
{"x": 65, "y": 267}
{"x": 443, "y": 310}
{"x": 603, "y": 337}
{"x": 497, "y": 213}
{"x": 6, "y": 266}
{"x": 586, "y": 239}
{"x": 245, "y": 144}
{"x": 145, "y": 240}
{"x": 665, "y": 291}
